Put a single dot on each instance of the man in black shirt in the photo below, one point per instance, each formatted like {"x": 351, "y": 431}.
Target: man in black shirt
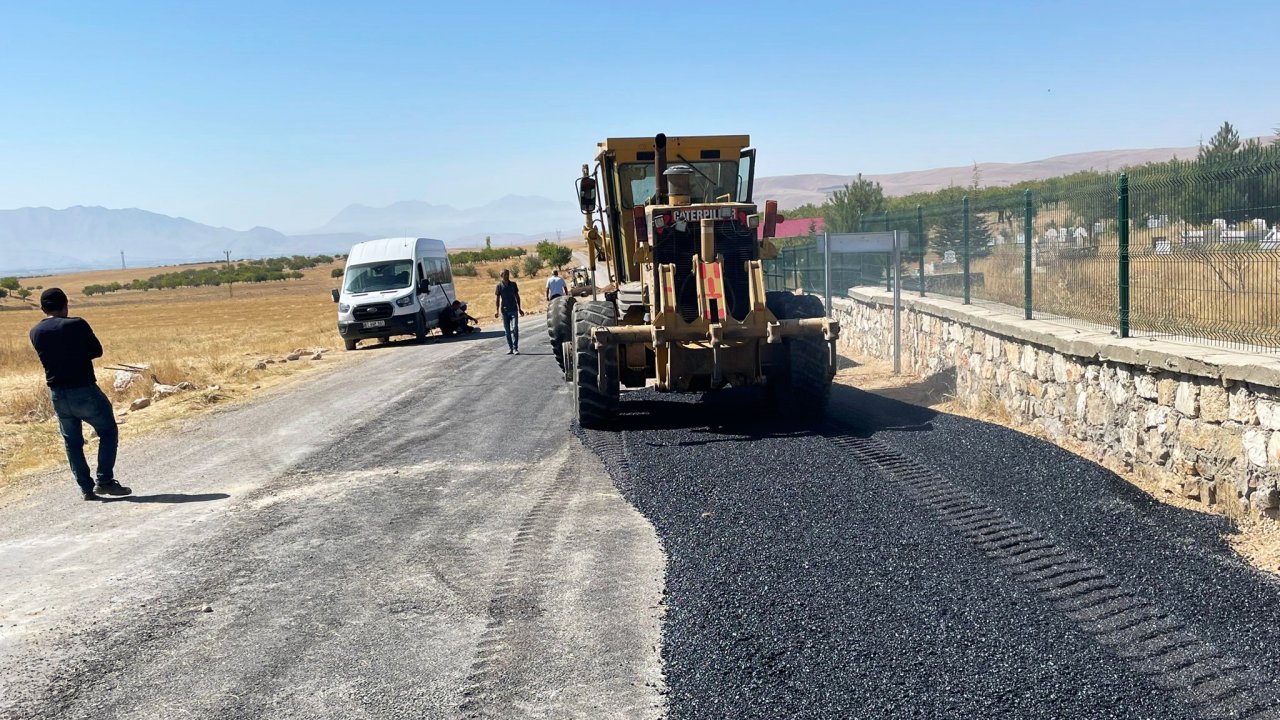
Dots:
{"x": 67, "y": 347}
{"x": 507, "y": 303}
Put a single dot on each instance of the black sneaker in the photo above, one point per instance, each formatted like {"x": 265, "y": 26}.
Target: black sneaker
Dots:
{"x": 90, "y": 496}
{"x": 112, "y": 489}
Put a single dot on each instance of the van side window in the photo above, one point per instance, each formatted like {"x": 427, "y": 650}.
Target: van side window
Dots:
{"x": 438, "y": 271}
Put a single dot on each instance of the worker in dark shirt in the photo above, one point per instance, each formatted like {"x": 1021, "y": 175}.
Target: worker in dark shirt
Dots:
{"x": 67, "y": 347}
{"x": 507, "y": 303}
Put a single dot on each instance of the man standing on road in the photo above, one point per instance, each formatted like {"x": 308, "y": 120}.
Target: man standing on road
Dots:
{"x": 67, "y": 347}
{"x": 555, "y": 285}
{"x": 507, "y": 304}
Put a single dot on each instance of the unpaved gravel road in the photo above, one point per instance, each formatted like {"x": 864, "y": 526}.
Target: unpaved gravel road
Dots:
{"x": 415, "y": 534}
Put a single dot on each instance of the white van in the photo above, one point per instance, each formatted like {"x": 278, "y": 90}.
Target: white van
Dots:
{"x": 393, "y": 286}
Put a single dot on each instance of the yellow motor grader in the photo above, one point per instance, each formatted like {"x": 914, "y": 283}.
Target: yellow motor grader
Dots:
{"x": 673, "y": 222}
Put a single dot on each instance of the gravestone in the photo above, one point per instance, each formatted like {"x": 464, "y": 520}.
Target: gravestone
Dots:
{"x": 1272, "y": 239}
{"x": 949, "y": 257}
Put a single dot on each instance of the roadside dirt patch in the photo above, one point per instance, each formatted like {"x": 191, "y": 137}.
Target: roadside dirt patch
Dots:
{"x": 1257, "y": 541}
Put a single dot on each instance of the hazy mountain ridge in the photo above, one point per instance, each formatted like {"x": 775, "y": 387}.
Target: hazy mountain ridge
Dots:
{"x": 41, "y": 239}
{"x": 80, "y": 237}
{"x": 794, "y": 190}
{"x": 511, "y": 216}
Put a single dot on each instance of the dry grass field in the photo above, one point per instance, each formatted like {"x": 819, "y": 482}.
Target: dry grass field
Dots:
{"x": 1225, "y": 293}
{"x": 207, "y": 336}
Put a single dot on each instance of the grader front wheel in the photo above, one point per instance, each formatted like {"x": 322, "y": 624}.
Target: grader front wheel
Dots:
{"x": 801, "y": 384}
{"x": 595, "y": 371}
{"x": 560, "y": 329}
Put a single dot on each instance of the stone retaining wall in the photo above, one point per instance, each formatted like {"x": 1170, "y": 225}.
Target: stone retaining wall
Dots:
{"x": 1202, "y": 422}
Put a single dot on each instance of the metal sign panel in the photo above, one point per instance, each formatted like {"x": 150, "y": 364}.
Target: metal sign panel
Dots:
{"x": 863, "y": 242}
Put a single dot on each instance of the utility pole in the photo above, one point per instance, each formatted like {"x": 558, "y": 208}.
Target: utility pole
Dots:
{"x": 230, "y": 292}
{"x": 122, "y": 267}
{"x": 228, "y": 254}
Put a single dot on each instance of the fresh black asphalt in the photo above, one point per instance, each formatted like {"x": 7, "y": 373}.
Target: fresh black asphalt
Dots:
{"x": 802, "y": 583}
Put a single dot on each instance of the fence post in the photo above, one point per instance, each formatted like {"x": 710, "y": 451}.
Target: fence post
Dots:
{"x": 923, "y": 243}
{"x": 890, "y": 274}
{"x": 1026, "y": 254}
{"x": 1122, "y": 219}
{"x": 964, "y": 208}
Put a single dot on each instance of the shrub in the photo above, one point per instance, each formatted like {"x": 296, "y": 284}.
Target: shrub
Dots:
{"x": 465, "y": 270}
{"x": 531, "y": 265}
{"x": 487, "y": 255}
{"x": 553, "y": 254}
{"x": 493, "y": 273}
{"x": 336, "y": 272}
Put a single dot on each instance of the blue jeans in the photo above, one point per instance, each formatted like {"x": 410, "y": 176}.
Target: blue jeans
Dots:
{"x": 87, "y": 404}
{"x": 511, "y": 326}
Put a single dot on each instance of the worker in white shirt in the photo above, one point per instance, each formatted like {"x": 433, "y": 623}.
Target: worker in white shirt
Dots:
{"x": 555, "y": 285}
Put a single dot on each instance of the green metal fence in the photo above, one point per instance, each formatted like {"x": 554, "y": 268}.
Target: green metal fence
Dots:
{"x": 1187, "y": 250}
{"x": 799, "y": 266}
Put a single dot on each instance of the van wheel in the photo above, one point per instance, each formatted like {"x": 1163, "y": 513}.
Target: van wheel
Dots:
{"x": 421, "y": 334}
{"x": 384, "y": 339}
{"x": 350, "y": 344}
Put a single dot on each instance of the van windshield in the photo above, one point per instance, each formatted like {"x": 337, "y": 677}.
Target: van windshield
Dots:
{"x": 376, "y": 277}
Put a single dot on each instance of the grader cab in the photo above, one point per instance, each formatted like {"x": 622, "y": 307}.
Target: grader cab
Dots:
{"x": 673, "y": 221}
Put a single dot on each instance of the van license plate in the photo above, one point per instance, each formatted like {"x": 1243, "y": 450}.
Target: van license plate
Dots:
{"x": 375, "y": 323}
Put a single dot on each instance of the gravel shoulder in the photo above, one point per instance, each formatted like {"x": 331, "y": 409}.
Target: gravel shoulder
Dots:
{"x": 418, "y": 535}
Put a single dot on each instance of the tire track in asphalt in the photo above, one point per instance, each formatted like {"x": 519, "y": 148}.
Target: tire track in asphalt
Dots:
{"x": 1157, "y": 644}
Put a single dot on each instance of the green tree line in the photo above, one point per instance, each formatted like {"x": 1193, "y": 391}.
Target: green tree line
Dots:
{"x": 489, "y": 254}
{"x": 1229, "y": 179}
{"x": 264, "y": 270}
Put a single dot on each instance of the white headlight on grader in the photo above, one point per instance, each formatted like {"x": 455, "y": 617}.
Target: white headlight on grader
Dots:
{"x": 685, "y": 309}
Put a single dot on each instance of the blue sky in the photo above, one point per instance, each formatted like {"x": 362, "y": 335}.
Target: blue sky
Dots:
{"x": 281, "y": 114}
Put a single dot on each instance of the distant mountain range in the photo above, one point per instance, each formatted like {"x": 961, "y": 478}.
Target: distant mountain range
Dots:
{"x": 74, "y": 238}
{"x": 41, "y": 240}
{"x": 510, "y": 216}
{"x": 794, "y": 190}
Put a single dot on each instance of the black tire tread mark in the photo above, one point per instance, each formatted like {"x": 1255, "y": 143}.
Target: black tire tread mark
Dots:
{"x": 522, "y": 574}
{"x": 1134, "y": 628}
